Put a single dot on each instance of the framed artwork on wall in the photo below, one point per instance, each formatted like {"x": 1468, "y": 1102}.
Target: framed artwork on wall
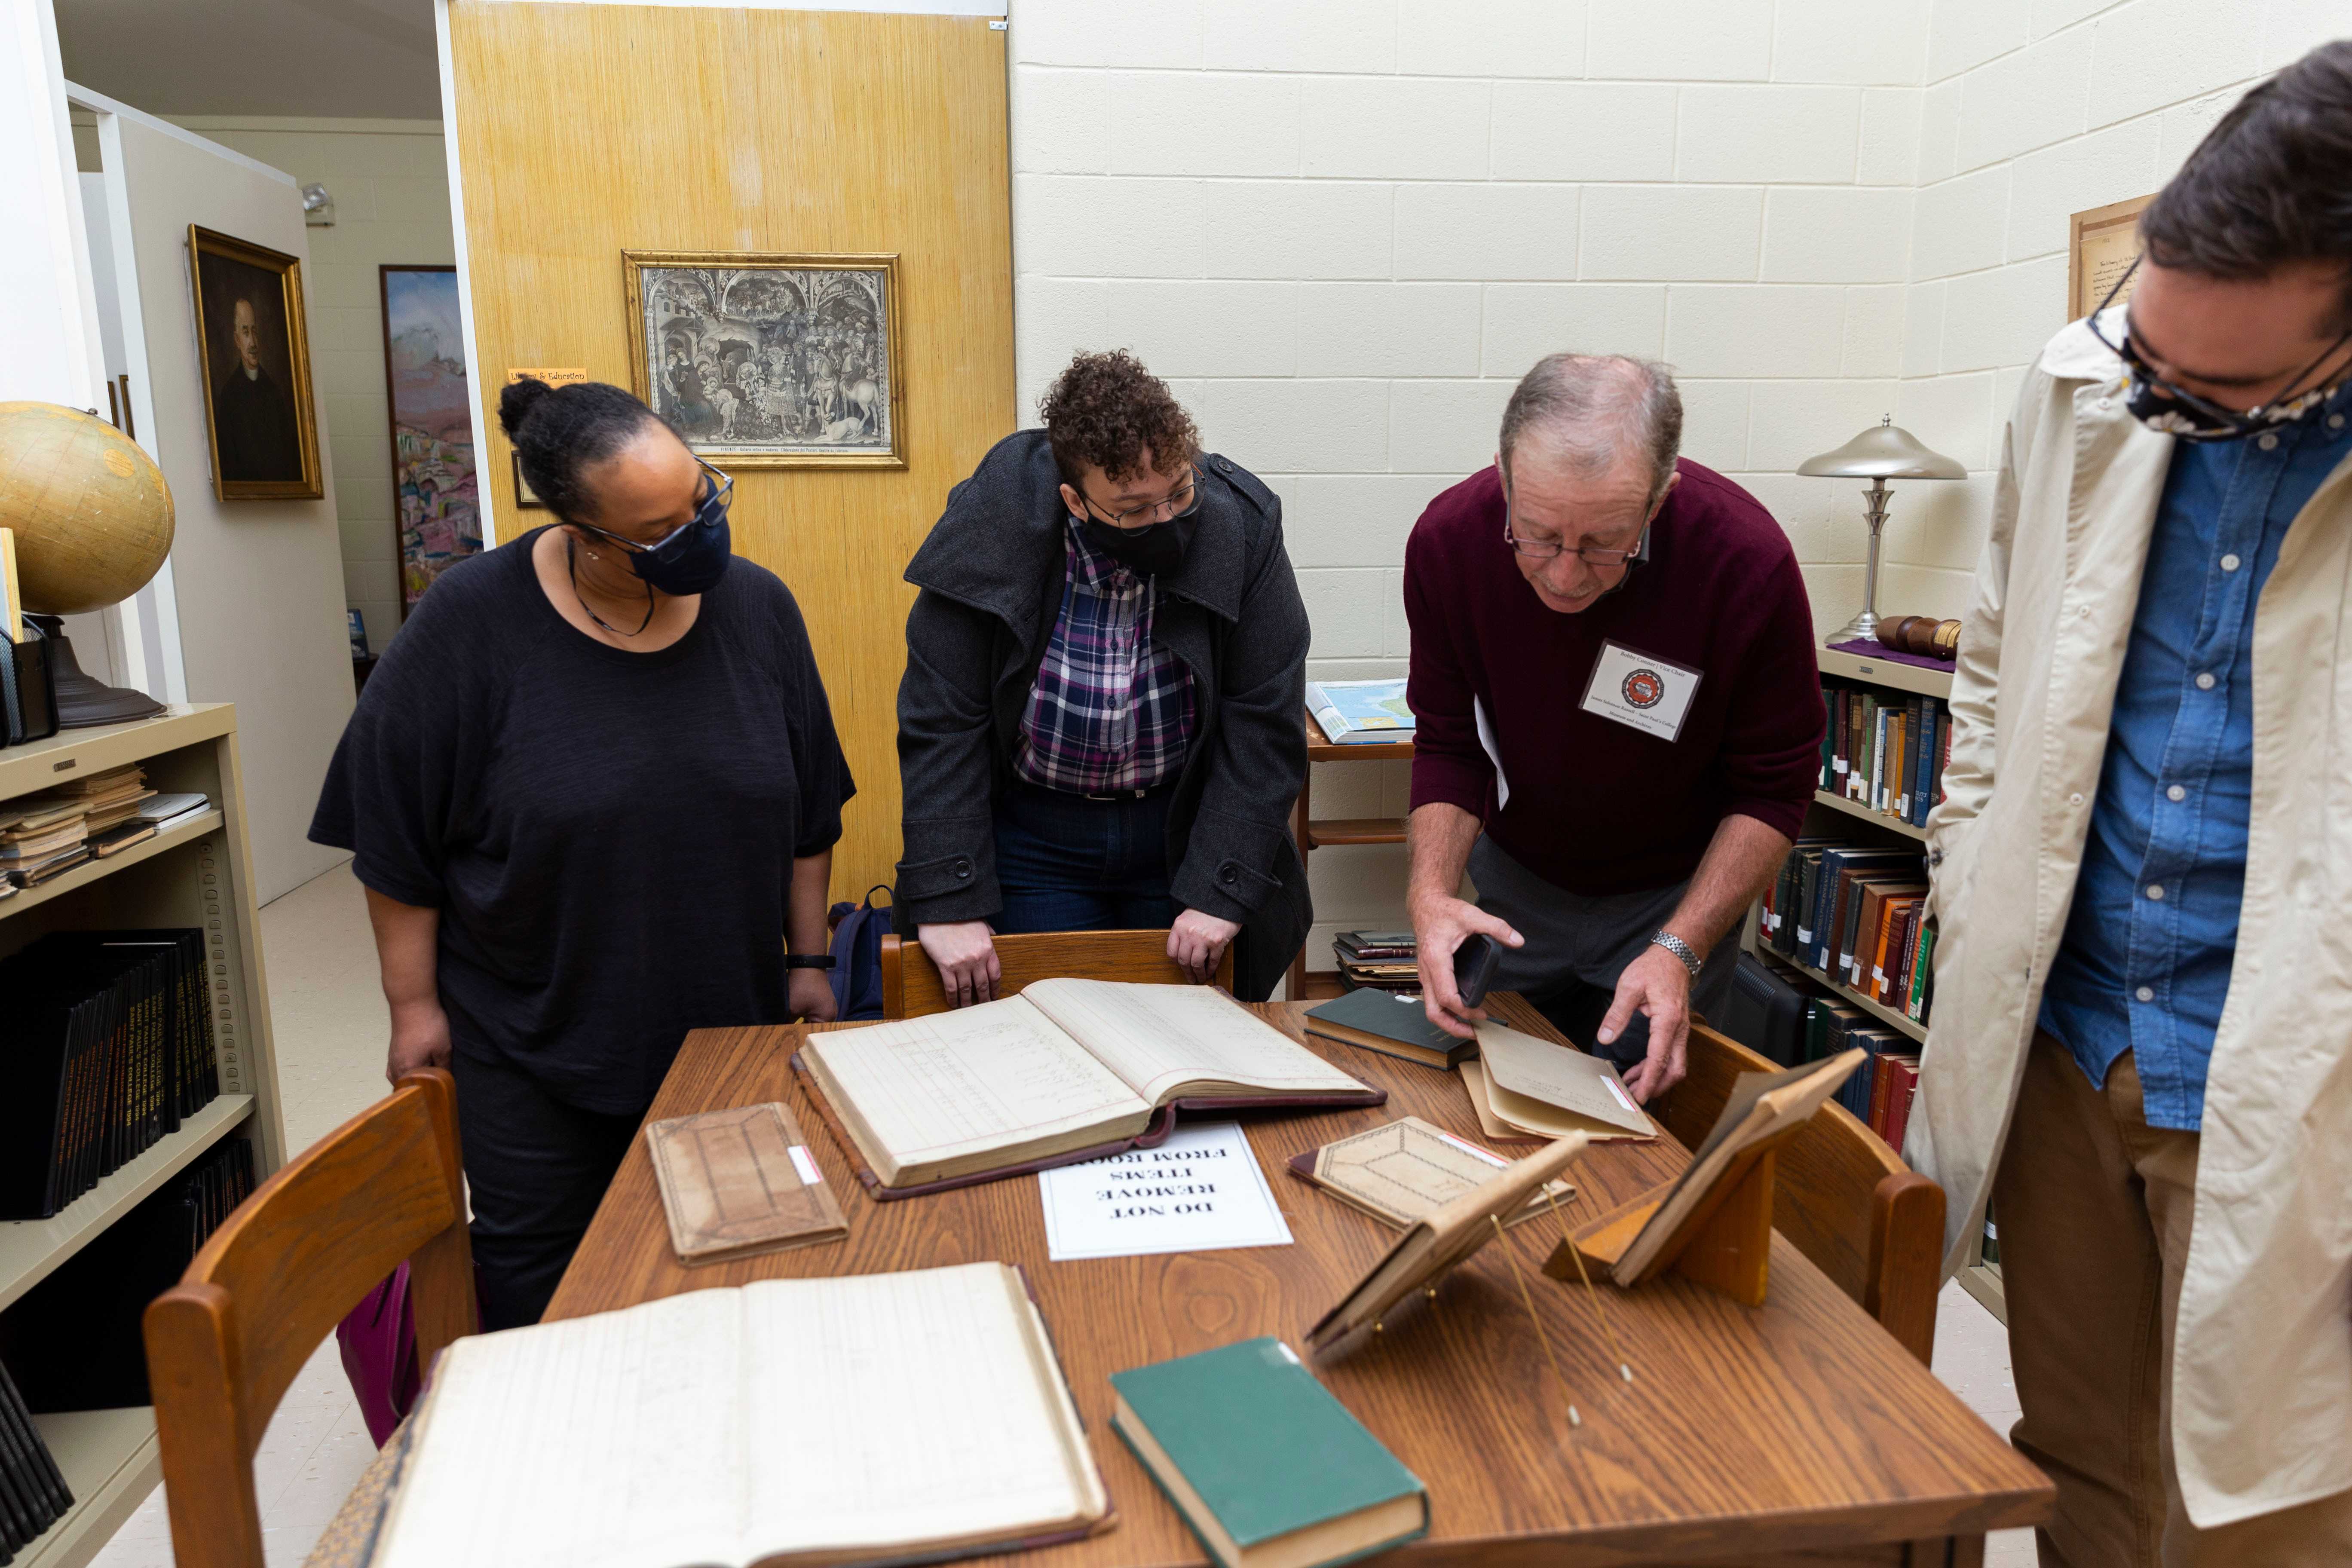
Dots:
{"x": 2100, "y": 244}
{"x": 436, "y": 499}
{"x": 254, "y": 356}
{"x": 771, "y": 360}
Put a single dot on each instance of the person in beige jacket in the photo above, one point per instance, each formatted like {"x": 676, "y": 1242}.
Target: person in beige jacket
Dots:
{"x": 2142, "y": 1052}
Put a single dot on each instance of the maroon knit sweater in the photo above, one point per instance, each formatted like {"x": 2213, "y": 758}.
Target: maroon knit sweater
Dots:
{"x": 1593, "y": 805}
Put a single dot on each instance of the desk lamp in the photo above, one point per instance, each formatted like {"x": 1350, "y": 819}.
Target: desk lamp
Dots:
{"x": 1884, "y": 451}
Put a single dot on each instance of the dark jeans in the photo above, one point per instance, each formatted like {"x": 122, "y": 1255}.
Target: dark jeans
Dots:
{"x": 1067, "y": 863}
{"x": 535, "y": 1171}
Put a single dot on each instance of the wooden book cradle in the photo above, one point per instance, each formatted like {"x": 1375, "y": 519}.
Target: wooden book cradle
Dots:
{"x": 1724, "y": 1243}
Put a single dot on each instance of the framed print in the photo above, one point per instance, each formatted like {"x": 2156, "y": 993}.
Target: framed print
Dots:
{"x": 436, "y": 499}
{"x": 2101, "y": 243}
{"x": 772, "y": 361}
{"x": 524, "y": 495}
{"x": 260, "y": 422}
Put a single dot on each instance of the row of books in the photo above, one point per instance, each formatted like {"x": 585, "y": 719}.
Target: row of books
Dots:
{"x": 1880, "y": 1094}
{"x": 74, "y": 1340}
{"x": 1859, "y": 915}
{"x": 1885, "y": 755}
{"x": 109, "y": 1038}
{"x": 48, "y": 834}
{"x": 1377, "y": 960}
{"x": 33, "y": 1490}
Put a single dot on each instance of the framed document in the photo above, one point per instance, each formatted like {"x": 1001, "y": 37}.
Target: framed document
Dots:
{"x": 2100, "y": 244}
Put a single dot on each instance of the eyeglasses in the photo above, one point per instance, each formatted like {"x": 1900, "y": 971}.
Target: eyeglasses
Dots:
{"x": 709, "y": 508}
{"x": 2245, "y": 421}
{"x": 1551, "y": 548}
{"x": 1180, "y": 502}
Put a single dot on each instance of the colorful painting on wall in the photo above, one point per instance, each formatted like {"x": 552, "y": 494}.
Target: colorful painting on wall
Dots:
{"x": 438, "y": 516}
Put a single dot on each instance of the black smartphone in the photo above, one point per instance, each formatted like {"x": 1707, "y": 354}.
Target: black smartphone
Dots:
{"x": 1474, "y": 967}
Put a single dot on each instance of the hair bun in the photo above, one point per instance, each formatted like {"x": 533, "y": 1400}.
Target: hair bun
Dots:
{"x": 517, "y": 401}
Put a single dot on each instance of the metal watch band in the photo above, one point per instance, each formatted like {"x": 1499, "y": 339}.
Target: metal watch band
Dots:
{"x": 808, "y": 961}
{"x": 1679, "y": 948}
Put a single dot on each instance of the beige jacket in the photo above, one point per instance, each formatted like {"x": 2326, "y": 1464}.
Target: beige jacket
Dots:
{"x": 2261, "y": 1413}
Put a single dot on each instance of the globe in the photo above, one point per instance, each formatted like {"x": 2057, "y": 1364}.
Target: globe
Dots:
{"x": 90, "y": 511}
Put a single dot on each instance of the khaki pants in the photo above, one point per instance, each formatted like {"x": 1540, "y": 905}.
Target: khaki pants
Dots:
{"x": 2093, "y": 1206}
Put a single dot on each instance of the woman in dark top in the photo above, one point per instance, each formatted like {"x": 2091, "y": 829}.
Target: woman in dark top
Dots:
{"x": 593, "y": 792}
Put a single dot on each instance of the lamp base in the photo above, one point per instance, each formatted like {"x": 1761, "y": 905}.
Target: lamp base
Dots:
{"x": 1862, "y": 627}
{"x": 83, "y": 701}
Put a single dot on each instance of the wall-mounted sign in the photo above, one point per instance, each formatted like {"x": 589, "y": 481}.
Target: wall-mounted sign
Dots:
{"x": 552, "y": 376}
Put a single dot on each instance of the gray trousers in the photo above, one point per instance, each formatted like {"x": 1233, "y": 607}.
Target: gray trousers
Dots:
{"x": 1577, "y": 946}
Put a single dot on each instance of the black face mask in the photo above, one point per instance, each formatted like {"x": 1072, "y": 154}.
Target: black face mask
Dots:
{"x": 693, "y": 559}
{"x": 1153, "y": 550}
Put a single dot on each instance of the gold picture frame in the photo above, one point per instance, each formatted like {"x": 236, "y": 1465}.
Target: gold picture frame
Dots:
{"x": 2101, "y": 243}
{"x": 253, "y": 351}
{"x": 771, "y": 358}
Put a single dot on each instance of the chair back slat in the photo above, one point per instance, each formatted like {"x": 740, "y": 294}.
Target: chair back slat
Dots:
{"x": 282, "y": 1270}
{"x": 911, "y": 986}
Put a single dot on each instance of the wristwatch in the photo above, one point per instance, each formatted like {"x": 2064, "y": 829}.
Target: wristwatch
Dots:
{"x": 808, "y": 961}
{"x": 1679, "y": 948}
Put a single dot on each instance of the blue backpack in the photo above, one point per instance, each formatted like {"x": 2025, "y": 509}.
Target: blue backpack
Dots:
{"x": 858, "y": 932}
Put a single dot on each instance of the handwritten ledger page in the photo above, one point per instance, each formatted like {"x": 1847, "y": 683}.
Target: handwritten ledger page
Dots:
{"x": 1160, "y": 1037}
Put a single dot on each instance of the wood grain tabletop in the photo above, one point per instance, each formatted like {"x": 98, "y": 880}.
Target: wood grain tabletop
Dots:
{"x": 1798, "y": 1432}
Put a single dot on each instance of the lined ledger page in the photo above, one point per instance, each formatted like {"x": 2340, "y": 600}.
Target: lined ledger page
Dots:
{"x": 1159, "y": 1037}
{"x": 948, "y": 1084}
{"x": 923, "y": 1420}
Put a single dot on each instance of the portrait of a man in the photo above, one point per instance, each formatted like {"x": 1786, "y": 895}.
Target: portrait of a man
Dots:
{"x": 257, "y": 369}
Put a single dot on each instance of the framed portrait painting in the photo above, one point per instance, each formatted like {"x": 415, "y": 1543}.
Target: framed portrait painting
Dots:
{"x": 436, "y": 495}
{"x": 254, "y": 356}
{"x": 771, "y": 360}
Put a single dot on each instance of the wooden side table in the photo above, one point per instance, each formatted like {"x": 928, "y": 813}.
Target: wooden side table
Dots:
{"x": 1313, "y": 834}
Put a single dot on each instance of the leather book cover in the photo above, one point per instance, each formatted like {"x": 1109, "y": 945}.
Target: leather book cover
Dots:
{"x": 738, "y": 1182}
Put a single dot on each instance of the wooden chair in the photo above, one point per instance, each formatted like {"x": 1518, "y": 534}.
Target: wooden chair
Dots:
{"x": 911, "y": 986}
{"x": 224, "y": 1344}
{"x": 1841, "y": 1195}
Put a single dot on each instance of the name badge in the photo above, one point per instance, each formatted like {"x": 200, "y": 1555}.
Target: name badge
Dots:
{"x": 1641, "y": 691}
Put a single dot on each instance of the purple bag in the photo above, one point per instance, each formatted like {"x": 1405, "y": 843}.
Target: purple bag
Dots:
{"x": 378, "y": 1340}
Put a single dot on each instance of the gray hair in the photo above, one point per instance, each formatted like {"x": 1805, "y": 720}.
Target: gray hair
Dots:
{"x": 1594, "y": 407}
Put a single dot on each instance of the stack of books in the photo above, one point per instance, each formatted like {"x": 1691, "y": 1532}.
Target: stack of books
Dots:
{"x": 1888, "y": 756}
{"x": 45, "y": 834}
{"x": 31, "y": 1485}
{"x": 109, "y": 1046}
{"x": 1880, "y": 1093}
{"x": 1857, "y": 916}
{"x": 1382, "y": 960}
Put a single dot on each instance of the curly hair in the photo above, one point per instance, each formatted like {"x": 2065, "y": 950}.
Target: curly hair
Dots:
{"x": 562, "y": 432}
{"x": 1105, "y": 409}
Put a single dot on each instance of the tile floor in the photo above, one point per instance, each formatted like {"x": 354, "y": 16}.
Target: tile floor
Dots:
{"x": 330, "y": 1025}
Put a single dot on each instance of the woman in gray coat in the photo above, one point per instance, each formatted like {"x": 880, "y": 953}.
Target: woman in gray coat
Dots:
{"x": 1101, "y": 723}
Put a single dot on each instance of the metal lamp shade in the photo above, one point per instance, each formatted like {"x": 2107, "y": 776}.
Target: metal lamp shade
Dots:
{"x": 1884, "y": 451}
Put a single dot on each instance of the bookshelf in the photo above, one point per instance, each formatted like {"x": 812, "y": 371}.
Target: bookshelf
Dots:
{"x": 1315, "y": 833}
{"x": 200, "y": 874}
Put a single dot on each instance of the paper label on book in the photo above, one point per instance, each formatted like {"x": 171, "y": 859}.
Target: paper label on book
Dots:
{"x": 1838, "y": 763}
{"x": 1805, "y": 936}
{"x": 1902, "y": 805}
{"x": 1611, "y": 1085}
{"x": 1640, "y": 690}
{"x": 804, "y": 1165}
{"x": 1201, "y": 1191}
{"x": 1878, "y": 975}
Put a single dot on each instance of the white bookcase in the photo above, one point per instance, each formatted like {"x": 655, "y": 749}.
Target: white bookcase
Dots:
{"x": 199, "y": 874}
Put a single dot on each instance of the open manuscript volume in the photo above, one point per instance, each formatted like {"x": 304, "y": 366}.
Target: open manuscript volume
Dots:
{"x": 1443, "y": 1239}
{"x": 878, "y": 1418}
{"x": 1068, "y": 1070}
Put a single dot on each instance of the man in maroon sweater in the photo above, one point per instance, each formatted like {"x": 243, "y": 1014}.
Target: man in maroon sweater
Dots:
{"x": 1620, "y": 715}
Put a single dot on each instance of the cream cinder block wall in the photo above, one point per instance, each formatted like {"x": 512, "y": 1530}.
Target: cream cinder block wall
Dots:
{"x": 2032, "y": 112}
{"x": 1344, "y": 229}
{"x": 391, "y": 185}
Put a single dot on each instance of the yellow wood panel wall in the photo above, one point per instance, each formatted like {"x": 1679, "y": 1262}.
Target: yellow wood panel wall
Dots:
{"x": 585, "y": 131}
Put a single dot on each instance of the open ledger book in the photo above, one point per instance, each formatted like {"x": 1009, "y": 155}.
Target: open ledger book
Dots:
{"x": 868, "y": 1419}
{"x": 1068, "y": 1070}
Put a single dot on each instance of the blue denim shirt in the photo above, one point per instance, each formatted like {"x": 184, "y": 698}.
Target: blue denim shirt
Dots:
{"x": 2145, "y": 963}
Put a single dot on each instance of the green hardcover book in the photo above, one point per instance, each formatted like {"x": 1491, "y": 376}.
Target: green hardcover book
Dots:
{"x": 1268, "y": 1470}
{"x": 1390, "y": 1023}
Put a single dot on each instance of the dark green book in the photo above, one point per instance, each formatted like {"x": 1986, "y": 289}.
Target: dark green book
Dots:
{"x": 1268, "y": 1470}
{"x": 1383, "y": 1021}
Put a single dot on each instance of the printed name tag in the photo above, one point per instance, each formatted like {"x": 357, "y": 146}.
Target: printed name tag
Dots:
{"x": 1640, "y": 690}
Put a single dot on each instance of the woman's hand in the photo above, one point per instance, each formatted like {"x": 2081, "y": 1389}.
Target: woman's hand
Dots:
{"x": 1196, "y": 942}
{"x": 809, "y": 995}
{"x": 420, "y": 1038}
{"x": 965, "y": 951}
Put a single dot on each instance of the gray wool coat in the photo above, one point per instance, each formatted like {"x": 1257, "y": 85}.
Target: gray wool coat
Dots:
{"x": 991, "y": 579}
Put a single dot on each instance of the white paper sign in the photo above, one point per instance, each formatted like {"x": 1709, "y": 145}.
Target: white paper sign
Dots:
{"x": 1199, "y": 1192}
{"x": 1641, "y": 691}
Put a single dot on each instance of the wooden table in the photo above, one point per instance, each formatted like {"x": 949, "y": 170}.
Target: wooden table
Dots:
{"x": 1796, "y": 1433}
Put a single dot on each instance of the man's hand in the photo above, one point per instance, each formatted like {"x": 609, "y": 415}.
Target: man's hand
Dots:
{"x": 808, "y": 993}
{"x": 420, "y": 1038}
{"x": 965, "y": 954}
{"x": 1196, "y": 942}
{"x": 1656, "y": 985}
{"x": 1440, "y": 923}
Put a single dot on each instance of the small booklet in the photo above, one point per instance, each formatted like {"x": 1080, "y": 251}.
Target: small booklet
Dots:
{"x": 739, "y": 1182}
{"x": 1068, "y": 1070}
{"x": 1408, "y": 1170}
{"x": 1361, "y": 712}
{"x": 1540, "y": 1089}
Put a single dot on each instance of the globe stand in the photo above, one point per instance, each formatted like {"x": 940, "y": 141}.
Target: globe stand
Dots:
{"x": 83, "y": 701}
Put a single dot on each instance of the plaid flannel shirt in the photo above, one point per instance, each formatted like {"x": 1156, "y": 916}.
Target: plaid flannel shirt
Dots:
{"x": 1112, "y": 708}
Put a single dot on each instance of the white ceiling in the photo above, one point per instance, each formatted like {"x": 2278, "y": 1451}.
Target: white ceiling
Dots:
{"x": 345, "y": 59}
